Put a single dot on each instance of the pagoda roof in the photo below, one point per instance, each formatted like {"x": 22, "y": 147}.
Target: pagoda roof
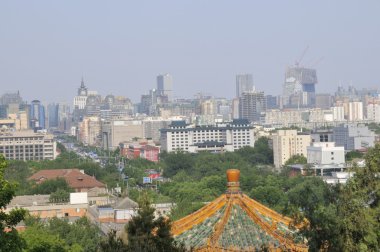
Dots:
{"x": 235, "y": 222}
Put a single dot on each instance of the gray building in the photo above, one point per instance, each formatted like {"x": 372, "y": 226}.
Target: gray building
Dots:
{"x": 165, "y": 85}
{"x": 244, "y": 83}
{"x": 353, "y": 137}
{"x": 251, "y": 105}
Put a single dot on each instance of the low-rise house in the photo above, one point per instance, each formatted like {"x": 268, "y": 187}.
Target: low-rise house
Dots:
{"x": 75, "y": 178}
{"x": 41, "y": 206}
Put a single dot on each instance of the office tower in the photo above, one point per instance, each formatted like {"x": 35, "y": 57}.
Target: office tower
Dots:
{"x": 244, "y": 83}
{"x": 165, "y": 85}
{"x": 299, "y": 87}
{"x": 272, "y": 102}
{"x": 37, "y": 115}
{"x": 52, "y": 115}
{"x": 251, "y": 105}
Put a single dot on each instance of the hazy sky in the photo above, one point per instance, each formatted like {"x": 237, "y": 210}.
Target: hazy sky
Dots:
{"x": 120, "y": 46}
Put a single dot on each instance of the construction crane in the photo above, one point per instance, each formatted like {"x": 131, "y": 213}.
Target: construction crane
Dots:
{"x": 298, "y": 62}
{"x": 316, "y": 62}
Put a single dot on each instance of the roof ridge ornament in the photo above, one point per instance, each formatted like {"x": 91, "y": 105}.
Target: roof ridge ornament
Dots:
{"x": 233, "y": 184}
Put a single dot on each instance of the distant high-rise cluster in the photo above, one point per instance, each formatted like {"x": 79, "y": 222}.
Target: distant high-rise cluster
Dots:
{"x": 299, "y": 87}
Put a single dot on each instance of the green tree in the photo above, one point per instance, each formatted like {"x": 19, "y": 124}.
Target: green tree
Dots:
{"x": 38, "y": 239}
{"x": 145, "y": 233}
{"x": 112, "y": 243}
{"x": 51, "y": 186}
{"x": 9, "y": 238}
{"x": 353, "y": 154}
{"x": 296, "y": 159}
{"x": 59, "y": 196}
{"x": 359, "y": 207}
{"x": 175, "y": 162}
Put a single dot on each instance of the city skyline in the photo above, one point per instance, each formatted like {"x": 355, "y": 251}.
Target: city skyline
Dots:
{"x": 47, "y": 47}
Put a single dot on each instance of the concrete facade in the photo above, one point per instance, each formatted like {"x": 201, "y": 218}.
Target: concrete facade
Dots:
{"x": 287, "y": 143}
{"x": 325, "y": 153}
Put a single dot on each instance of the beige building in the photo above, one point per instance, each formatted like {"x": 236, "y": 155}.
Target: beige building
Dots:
{"x": 116, "y": 132}
{"x": 89, "y": 131}
{"x": 27, "y": 145}
{"x": 17, "y": 121}
{"x": 287, "y": 143}
{"x": 373, "y": 112}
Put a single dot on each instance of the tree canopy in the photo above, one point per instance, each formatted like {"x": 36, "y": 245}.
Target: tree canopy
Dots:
{"x": 9, "y": 238}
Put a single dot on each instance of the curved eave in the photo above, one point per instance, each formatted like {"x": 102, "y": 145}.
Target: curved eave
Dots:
{"x": 186, "y": 223}
{"x": 256, "y": 211}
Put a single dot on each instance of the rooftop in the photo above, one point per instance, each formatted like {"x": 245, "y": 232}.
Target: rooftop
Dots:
{"x": 235, "y": 222}
{"x": 74, "y": 178}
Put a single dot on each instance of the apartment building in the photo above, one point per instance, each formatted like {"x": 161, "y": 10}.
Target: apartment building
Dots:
{"x": 27, "y": 145}
{"x": 287, "y": 143}
{"x": 216, "y": 138}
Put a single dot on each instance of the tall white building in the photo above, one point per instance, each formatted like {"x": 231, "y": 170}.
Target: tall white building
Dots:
{"x": 373, "y": 112}
{"x": 218, "y": 138}
{"x": 355, "y": 111}
{"x": 324, "y": 153}
{"x": 338, "y": 113}
{"x": 287, "y": 143}
{"x": 165, "y": 85}
{"x": 81, "y": 98}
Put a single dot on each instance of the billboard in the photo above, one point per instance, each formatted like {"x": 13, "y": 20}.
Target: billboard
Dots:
{"x": 147, "y": 180}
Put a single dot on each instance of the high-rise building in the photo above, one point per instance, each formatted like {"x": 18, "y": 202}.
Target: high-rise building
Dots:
{"x": 52, "y": 109}
{"x": 373, "y": 112}
{"x": 299, "y": 87}
{"x": 251, "y": 105}
{"x": 37, "y": 115}
{"x": 80, "y": 101}
{"x": 165, "y": 85}
{"x": 244, "y": 83}
{"x": 355, "y": 111}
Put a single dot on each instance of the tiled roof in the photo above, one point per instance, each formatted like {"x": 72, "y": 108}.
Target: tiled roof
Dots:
{"x": 235, "y": 222}
{"x": 74, "y": 178}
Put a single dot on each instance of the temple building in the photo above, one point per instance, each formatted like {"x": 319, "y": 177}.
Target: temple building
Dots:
{"x": 235, "y": 222}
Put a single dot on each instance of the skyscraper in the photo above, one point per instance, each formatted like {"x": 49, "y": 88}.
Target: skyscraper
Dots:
{"x": 251, "y": 104}
{"x": 244, "y": 83}
{"x": 37, "y": 115}
{"x": 165, "y": 85}
{"x": 299, "y": 87}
